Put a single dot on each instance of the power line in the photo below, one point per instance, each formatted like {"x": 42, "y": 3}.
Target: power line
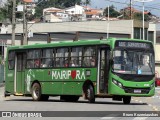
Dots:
{"x": 134, "y": 5}
{"x": 154, "y": 4}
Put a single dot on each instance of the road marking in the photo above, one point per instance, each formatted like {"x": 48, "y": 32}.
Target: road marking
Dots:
{"x": 140, "y": 118}
{"x": 136, "y": 118}
{"x": 153, "y": 96}
{"x": 150, "y": 105}
{"x": 155, "y": 108}
{"x": 106, "y": 118}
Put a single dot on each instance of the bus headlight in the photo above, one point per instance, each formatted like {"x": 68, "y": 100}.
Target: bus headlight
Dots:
{"x": 117, "y": 83}
{"x": 152, "y": 85}
{"x": 114, "y": 81}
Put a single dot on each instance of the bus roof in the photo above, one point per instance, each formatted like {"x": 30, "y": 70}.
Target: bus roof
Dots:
{"x": 109, "y": 41}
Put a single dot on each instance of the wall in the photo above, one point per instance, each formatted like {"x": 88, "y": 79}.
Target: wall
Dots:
{"x": 120, "y": 27}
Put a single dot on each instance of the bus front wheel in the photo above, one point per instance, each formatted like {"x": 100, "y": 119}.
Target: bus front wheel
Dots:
{"x": 90, "y": 94}
{"x": 126, "y": 99}
{"x": 36, "y": 92}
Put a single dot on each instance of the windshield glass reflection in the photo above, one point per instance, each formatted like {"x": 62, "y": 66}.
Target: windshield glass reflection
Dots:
{"x": 133, "y": 62}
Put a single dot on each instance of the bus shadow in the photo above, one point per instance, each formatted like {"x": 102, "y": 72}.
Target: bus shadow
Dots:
{"x": 80, "y": 101}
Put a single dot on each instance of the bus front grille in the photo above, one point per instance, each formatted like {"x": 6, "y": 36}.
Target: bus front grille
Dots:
{"x": 136, "y": 90}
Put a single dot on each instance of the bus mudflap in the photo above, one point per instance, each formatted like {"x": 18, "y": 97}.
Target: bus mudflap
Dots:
{"x": 6, "y": 94}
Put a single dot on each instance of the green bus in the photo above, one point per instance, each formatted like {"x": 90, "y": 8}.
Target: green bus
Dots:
{"x": 112, "y": 68}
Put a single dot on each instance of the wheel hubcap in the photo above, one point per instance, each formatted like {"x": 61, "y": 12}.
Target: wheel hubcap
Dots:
{"x": 88, "y": 93}
{"x": 36, "y": 93}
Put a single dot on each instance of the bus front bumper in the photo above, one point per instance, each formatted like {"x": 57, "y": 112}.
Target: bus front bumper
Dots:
{"x": 132, "y": 91}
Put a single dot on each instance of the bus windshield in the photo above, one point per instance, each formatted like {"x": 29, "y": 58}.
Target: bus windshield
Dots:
{"x": 133, "y": 62}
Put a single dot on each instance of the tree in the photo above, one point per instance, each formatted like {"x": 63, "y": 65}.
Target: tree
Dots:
{"x": 139, "y": 16}
{"x": 86, "y": 2}
{"x": 6, "y": 11}
{"x": 2, "y": 14}
{"x": 112, "y": 11}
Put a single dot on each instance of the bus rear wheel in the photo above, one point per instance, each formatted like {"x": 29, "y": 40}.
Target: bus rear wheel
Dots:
{"x": 36, "y": 92}
{"x": 126, "y": 99}
{"x": 90, "y": 94}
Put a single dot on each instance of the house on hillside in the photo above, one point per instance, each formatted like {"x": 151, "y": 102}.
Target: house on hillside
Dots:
{"x": 129, "y": 11}
{"x": 93, "y": 14}
{"x": 50, "y": 15}
{"x": 76, "y": 13}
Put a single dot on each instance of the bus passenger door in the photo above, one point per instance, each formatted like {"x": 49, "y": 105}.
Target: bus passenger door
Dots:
{"x": 20, "y": 72}
{"x": 104, "y": 56}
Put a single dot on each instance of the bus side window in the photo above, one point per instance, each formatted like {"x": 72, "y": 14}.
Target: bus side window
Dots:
{"x": 36, "y": 63}
{"x": 62, "y": 57}
{"x": 30, "y": 64}
{"x": 89, "y": 55}
{"x": 11, "y": 61}
{"x": 76, "y": 57}
{"x": 33, "y": 58}
{"x": 47, "y": 57}
{"x": 93, "y": 61}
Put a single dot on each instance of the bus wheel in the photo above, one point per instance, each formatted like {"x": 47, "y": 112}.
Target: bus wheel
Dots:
{"x": 90, "y": 94}
{"x": 126, "y": 99}
{"x": 36, "y": 92}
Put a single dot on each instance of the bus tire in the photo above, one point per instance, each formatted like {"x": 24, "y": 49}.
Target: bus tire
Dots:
{"x": 36, "y": 92}
{"x": 126, "y": 99}
{"x": 90, "y": 94}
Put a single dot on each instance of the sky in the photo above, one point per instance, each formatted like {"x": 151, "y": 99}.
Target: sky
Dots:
{"x": 152, "y": 6}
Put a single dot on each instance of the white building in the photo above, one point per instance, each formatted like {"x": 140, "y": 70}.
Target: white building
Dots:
{"x": 50, "y": 15}
{"x": 74, "y": 13}
{"x": 75, "y": 10}
{"x": 3, "y": 29}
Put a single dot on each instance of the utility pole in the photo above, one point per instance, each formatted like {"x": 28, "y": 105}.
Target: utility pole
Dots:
{"x": 108, "y": 23}
{"x": 25, "y": 41}
{"x": 130, "y": 9}
{"x": 13, "y": 22}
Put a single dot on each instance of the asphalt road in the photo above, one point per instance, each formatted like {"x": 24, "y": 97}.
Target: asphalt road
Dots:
{"x": 102, "y": 105}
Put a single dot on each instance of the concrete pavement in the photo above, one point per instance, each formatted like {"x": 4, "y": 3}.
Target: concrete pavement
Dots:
{"x": 1, "y": 84}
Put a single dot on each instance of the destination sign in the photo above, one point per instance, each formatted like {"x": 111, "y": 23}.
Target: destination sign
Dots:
{"x": 131, "y": 44}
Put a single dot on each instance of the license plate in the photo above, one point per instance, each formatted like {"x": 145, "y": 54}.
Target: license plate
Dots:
{"x": 137, "y": 91}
